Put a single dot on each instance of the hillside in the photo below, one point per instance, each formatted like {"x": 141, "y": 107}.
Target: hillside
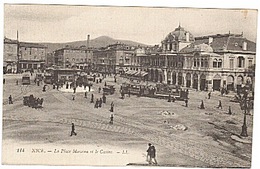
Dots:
{"x": 101, "y": 41}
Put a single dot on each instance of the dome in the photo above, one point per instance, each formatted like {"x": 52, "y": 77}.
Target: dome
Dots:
{"x": 179, "y": 34}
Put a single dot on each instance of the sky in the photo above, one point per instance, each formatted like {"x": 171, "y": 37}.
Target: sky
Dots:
{"x": 64, "y": 23}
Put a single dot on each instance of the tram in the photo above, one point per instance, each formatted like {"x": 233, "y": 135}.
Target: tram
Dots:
{"x": 25, "y": 79}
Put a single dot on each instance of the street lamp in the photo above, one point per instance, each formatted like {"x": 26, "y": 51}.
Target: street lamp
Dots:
{"x": 244, "y": 105}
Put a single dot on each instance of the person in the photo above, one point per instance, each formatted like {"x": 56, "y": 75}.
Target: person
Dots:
{"x": 99, "y": 89}
{"x": 115, "y": 80}
{"x": 186, "y": 102}
{"x": 10, "y": 99}
{"x": 74, "y": 89}
{"x": 219, "y": 104}
{"x": 89, "y": 87}
{"x": 229, "y": 110}
{"x": 111, "y": 119}
{"x": 105, "y": 84}
{"x": 92, "y": 98}
{"x": 104, "y": 98}
{"x": 112, "y": 107}
{"x": 86, "y": 94}
{"x": 209, "y": 94}
{"x": 187, "y": 93}
{"x": 73, "y": 96}
{"x": 53, "y": 86}
{"x": 44, "y": 88}
{"x": 96, "y": 104}
{"x": 4, "y": 81}
{"x": 151, "y": 154}
{"x": 16, "y": 82}
{"x": 169, "y": 98}
{"x": 202, "y": 105}
{"x": 67, "y": 85}
{"x": 129, "y": 93}
{"x": 73, "y": 130}
{"x": 100, "y": 102}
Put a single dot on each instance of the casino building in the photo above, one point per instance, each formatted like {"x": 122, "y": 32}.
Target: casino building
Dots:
{"x": 204, "y": 63}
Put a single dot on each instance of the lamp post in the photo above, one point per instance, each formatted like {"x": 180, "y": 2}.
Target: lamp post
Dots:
{"x": 244, "y": 105}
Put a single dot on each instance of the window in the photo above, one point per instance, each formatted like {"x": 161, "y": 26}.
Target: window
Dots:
{"x": 219, "y": 63}
{"x": 206, "y": 63}
{"x": 250, "y": 63}
{"x": 241, "y": 61}
{"x": 231, "y": 63}
{"x": 30, "y": 51}
{"x": 215, "y": 63}
{"x": 73, "y": 59}
{"x": 195, "y": 63}
{"x": 202, "y": 63}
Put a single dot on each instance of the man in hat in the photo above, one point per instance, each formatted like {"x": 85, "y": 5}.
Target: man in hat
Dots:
{"x": 73, "y": 130}
{"x": 151, "y": 154}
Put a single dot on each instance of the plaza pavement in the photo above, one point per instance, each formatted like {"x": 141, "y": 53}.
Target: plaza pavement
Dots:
{"x": 207, "y": 141}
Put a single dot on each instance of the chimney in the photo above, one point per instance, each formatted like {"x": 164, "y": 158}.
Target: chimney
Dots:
{"x": 187, "y": 36}
{"x": 244, "y": 45}
{"x": 88, "y": 41}
{"x": 210, "y": 40}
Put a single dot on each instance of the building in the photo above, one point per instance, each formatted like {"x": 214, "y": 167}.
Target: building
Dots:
{"x": 203, "y": 63}
{"x": 10, "y": 55}
{"x": 32, "y": 56}
{"x": 67, "y": 57}
{"x": 22, "y": 56}
{"x": 113, "y": 58}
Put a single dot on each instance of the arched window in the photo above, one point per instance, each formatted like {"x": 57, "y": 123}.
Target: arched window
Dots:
{"x": 241, "y": 62}
{"x": 219, "y": 63}
{"x": 215, "y": 63}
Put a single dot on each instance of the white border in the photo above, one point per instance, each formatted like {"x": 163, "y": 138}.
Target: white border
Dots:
{"x": 252, "y": 4}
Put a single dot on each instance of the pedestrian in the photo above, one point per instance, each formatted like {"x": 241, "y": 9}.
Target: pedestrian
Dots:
{"x": 186, "y": 102}
{"x": 16, "y": 82}
{"x": 187, "y": 93}
{"x": 100, "y": 102}
{"x": 111, "y": 119}
{"x": 229, "y": 110}
{"x": 73, "y": 96}
{"x": 112, "y": 107}
{"x": 209, "y": 95}
{"x": 219, "y": 104}
{"x": 44, "y": 88}
{"x": 202, "y": 105}
{"x": 73, "y": 130}
{"x": 105, "y": 84}
{"x": 86, "y": 94}
{"x": 96, "y": 104}
{"x": 151, "y": 154}
{"x": 53, "y": 86}
{"x": 92, "y": 98}
{"x": 4, "y": 81}
{"x": 74, "y": 89}
{"x": 115, "y": 80}
{"x": 104, "y": 98}
{"x": 129, "y": 93}
{"x": 67, "y": 85}
{"x": 10, "y": 99}
{"x": 89, "y": 87}
{"x": 169, "y": 98}
{"x": 100, "y": 80}
{"x": 99, "y": 89}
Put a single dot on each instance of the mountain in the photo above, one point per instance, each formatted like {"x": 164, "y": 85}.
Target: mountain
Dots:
{"x": 99, "y": 42}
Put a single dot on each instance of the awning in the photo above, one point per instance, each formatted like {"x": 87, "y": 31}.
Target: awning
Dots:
{"x": 142, "y": 73}
{"x": 130, "y": 72}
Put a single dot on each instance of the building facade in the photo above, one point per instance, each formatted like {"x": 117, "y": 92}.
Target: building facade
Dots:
{"x": 69, "y": 57}
{"x": 10, "y": 57}
{"x": 32, "y": 56}
{"x": 22, "y": 56}
{"x": 113, "y": 58}
{"x": 203, "y": 63}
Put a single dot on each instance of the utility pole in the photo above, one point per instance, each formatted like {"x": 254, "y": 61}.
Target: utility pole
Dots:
{"x": 18, "y": 54}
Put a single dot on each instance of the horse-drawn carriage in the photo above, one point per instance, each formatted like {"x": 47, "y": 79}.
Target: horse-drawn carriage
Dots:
{"x": 109, "y": 89}
{"x": 33, "y": 102}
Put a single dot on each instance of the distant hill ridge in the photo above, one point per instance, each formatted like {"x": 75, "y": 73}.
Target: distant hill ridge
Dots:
{"x": 98, "y": 42}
